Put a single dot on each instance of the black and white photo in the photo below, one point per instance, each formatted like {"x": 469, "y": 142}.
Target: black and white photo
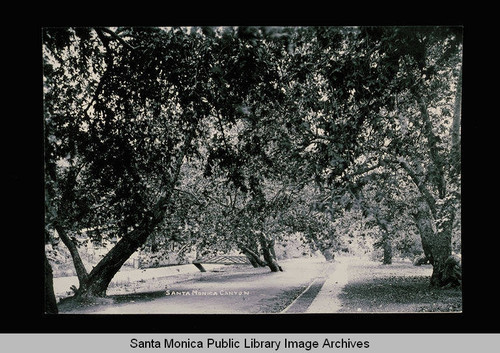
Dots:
{"x": 252, "y": 169}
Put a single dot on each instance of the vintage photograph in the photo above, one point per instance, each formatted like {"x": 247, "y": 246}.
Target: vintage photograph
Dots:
{"x": 252, "y": 169}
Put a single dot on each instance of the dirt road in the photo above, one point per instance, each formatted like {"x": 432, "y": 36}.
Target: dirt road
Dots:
{"x": 232, "y": 289}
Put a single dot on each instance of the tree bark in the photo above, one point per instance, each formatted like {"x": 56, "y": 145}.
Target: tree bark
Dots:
{"x": 50, "y": 303}
{"x": 442, "y": 251}
{"x": 424, "y": 225}
{"x": 387, "y": 247}
{"x": 455, "y": 129}
{"x": 102, "y": 274}
{"x": 267, "y": 246}
{"x": 253, "y": 257}
{"x": 81, "y": 271}
{"x": 386, "y": 240}
{"x": 328, "y": 253}
{"x": 436, "y": 243}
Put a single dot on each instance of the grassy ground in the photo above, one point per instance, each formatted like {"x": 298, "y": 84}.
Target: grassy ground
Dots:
{"x": 400, "y": 287}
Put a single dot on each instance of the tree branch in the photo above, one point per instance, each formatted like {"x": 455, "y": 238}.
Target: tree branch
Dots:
{"x": 118, "y": 38}
{"x": 411, "y": 173}
{"x": 365, "y": 170}
{"x": 416, "y": 180}
{"x": 433, "y": 148}
{"x": 193, "y": 196}
{"x": 455, "y": 127}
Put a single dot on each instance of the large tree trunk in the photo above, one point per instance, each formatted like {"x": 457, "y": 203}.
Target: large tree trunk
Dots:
{"x": 267, "y": 247}
{"x": 387, "y": 247}
{"x": 436, "y": 243}
{"x": 455, "y": 154}
{"x": 81, "y": 271}
{"x": 441, "y": 251}
{"x": 105, "y": 270}
{"x": 424, "y": 226}
{"x": 102, "y": 274}
{"x": 435, "y": 220}
{"x": 386, "y": 240}
{"x": 50, "y": 303}
{"x": 253, "y": 256}
{"x": 447, "y": 269}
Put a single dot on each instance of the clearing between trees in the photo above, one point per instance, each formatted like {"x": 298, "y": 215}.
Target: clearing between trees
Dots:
{"x": 352, "y": 285}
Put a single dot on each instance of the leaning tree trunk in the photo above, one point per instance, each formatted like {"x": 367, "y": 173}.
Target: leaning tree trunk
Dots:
{"x": 327, "y": 252}
{"x": 253, "y": 256}
{"x": 105, "y": 270}
{"x": 81, "y": 271}
{"x": 55, "y": 219}
{"x": 267, "y": 247}
{"x": 50, "y": 303}
{"x": 326, "y": 248}
{"x": 102, "y": 274}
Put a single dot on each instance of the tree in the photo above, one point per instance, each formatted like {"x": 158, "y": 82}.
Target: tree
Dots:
{"x": 370, "y": 99}
{"x": 416, "y": 73}
{"x": 255, "y": 114}
{"x": 425, "y": 78}
{"x": 244, "y": 126}
{"x": 129, "y": 125}
{"x": 50, "y": 302}
{"x": 383, "y": 197}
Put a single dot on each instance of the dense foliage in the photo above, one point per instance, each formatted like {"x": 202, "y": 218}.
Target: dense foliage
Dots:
{"x": 228, "y": 138}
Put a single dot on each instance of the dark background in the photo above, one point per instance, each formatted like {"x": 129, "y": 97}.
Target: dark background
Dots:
{"x": 21, "y": 273}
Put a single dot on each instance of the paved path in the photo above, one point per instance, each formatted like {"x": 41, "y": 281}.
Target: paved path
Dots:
{"x": 327, "y": 301}
{"x": 321, "y": 296}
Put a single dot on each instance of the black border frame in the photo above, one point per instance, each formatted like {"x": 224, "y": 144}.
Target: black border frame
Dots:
{"x": 24, "y": 173}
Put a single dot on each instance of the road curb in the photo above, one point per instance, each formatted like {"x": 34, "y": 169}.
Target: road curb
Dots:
{"x": 304, "y": 299}
{"x": 327, "y": 300}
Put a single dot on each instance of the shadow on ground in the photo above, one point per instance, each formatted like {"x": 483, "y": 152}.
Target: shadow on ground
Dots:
{"x": 397, "y": 293}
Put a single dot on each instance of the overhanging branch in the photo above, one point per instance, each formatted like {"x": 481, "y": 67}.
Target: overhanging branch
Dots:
{"x": 388, "y": 162}
{"x": 117, "y": 37}
{"x": 416, "y": 180}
